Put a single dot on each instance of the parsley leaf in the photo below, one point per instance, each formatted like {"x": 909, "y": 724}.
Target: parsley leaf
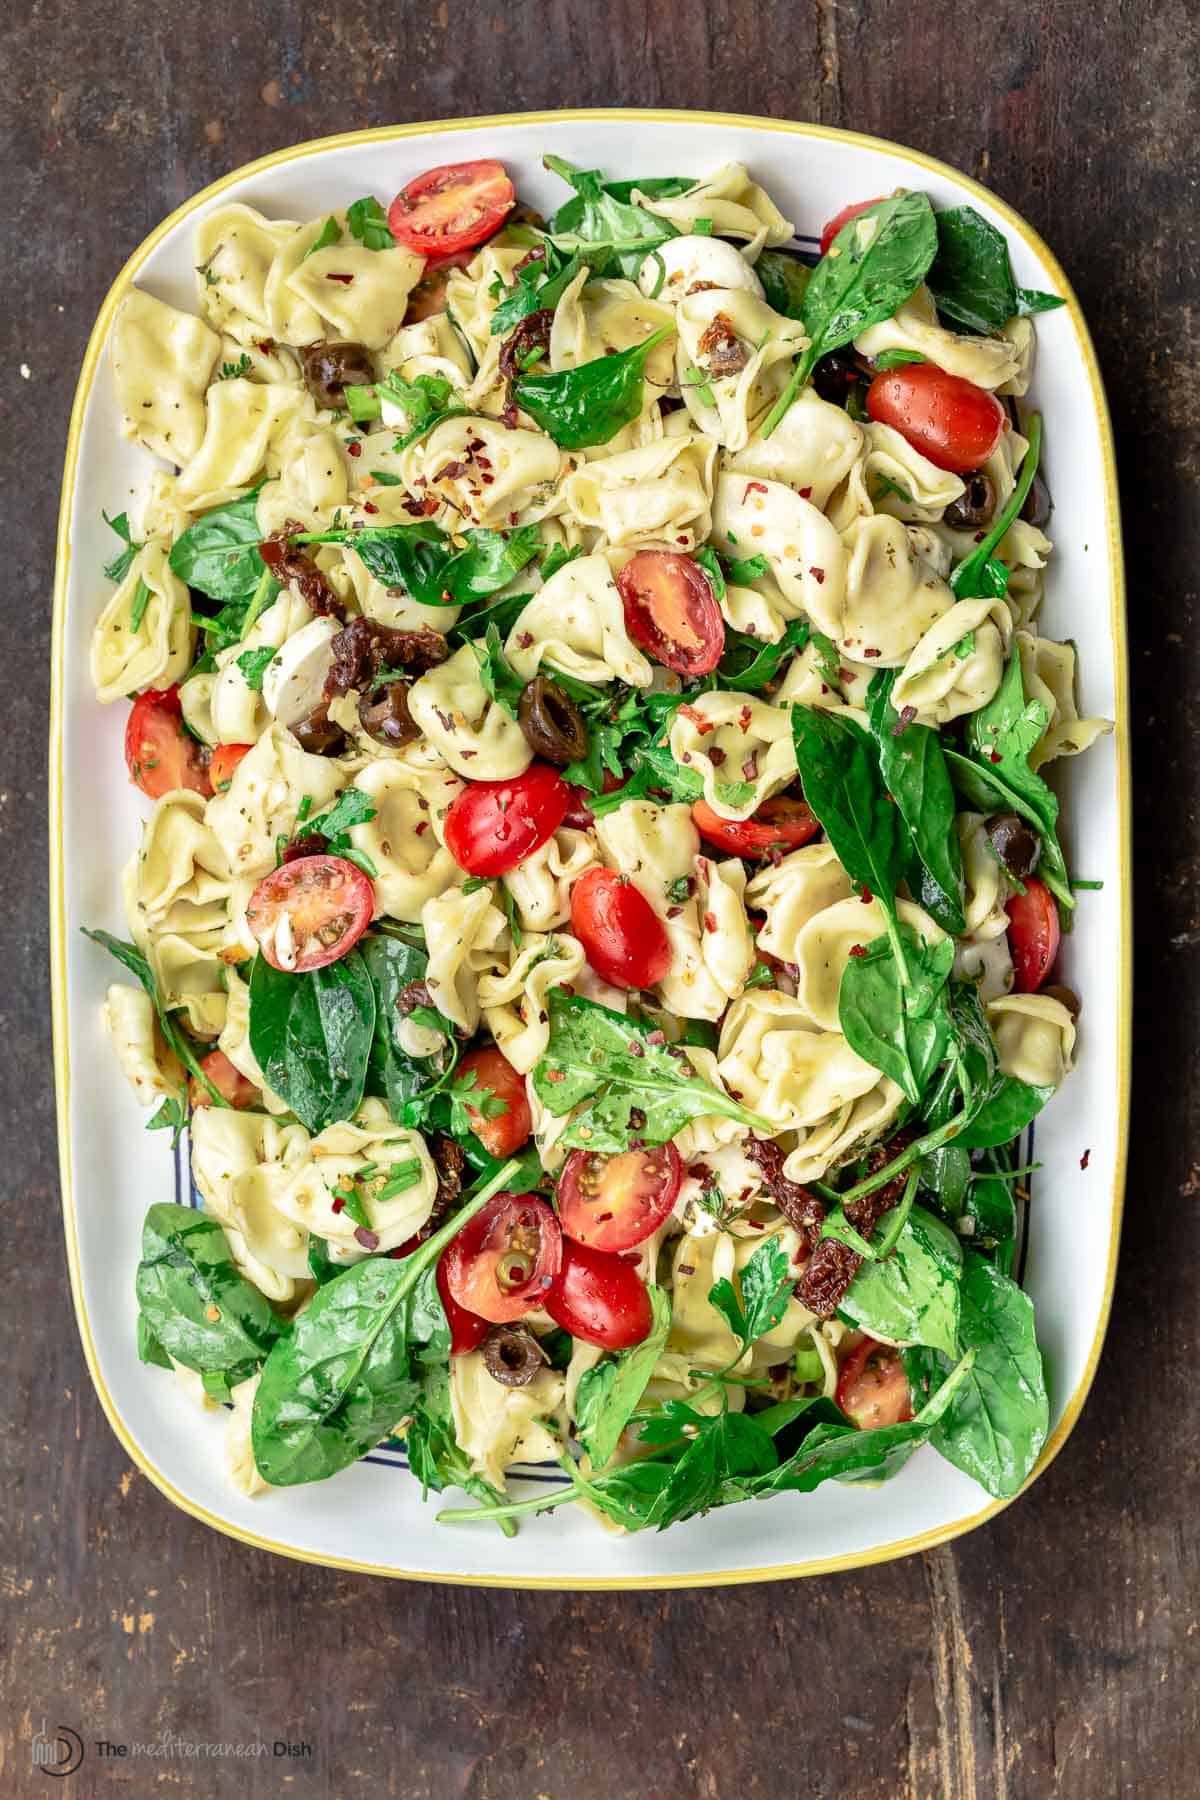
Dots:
{"x": 766, "y": 1285}
{"x": 368, "y": 223}
{"x": 254, "y": 665}
{"x": 119, "y": 567}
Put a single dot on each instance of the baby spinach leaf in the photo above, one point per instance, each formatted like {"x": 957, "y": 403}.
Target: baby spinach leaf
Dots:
{"x": 748, "y": 665}
{"x": 368, "y": 223}
{"x": 393, "y": 965}
{"x": 873, "y": 265}
{"x": 219, "y": 553}
{"x": 785, "y": 282}
{"x": 592, "y": 402}
{"x": 910, "y": 1297}
{"x": 914, "y": 770}
{"x": 434, "y": 1454}
{"x": 985, "y": 789}
{"x": 1033, "y": 300}
{"x": 199, "y": 1309}
{"x": 988, "y": 1202}
{"x": 730, "y": 1449}
{"x": 604, "y": 219}
{"x": 353, "y": 1364}
{"x": 981, "y": 575}
{"x": 312, "y": 1035}
{"x": 901, "y": 1031}
{"x": 131, "y": 958}
{"x": 765, "y": 1286}
{"x": 122, "y": 562}
{"x": 420, "y": 559}
{"x": 631, "y": 1088}
{"x": 1005, "y": 1113}
{"x": 609, "y": 1393}
{"x": 149, "y": 1350}
{"x": 971, "y": 278}
{"x": 839, "y": 771}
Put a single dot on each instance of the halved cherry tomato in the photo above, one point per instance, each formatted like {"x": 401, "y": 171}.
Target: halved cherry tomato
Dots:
{"x": 947, "y": 418}
{"x": 494, "y": 825}
{"x": 843, "y": 218}
{"x": 613, "y": 1202}
{"x": 467, "y": 1329}
{"x": 452, "y": 207}
{"x": 429, "y": 295}
{"x": 1034, "y": 934}
{"x": 671, "y": 611}
{"x": 310, "y": 912}
{"x": 622, "y": 936}
{"x": 599, "y": 1298}
{"x": 503, "y": 1261}
{"x": 780, "y": 823}
{"x": 224, "y": 760}
{"x": 872, "y": 1387}
{"x": 229, "y": 1082}
{"x": 159, "y": 754}
{"x": 505, "y": 1131}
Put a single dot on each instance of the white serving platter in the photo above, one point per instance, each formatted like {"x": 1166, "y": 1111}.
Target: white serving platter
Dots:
{"x": 371, "y": 1517}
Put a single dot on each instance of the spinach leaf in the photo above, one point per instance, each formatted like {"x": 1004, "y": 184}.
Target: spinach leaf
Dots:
{"x": 149, "y": 1350}
{"x": 1033, "y": 300}
{"x": 630, "y": 1086}
{"x": 603, "y": 219}
{"x": 873, "y": 265}
{"x": 748, "y": 665}
{"x": 353, "y": 1363}
{"x": 981, "y": 575}
{"x": 971, "y": 278}
{"x": 989, "y": 1204}
{"x": 368, "y": 223}
{"x": 321, "y": 1265}
{"x": 765, "y": 1286}
{"x": 592, "y": 402}
{"x": 434, "y": 1455}
{"x": 420, "y": 559}
{"x": 946, "y": 1180}
{"x": 199, "y": 1309}
{"x": 728, "y": 1449}
{"x": 785, "y": 282}
{"x": 839, "y": 772}
{"x": 1005, "y": 1113}
{"x": 903, "y": 1033}
{"x": 608, "y": 1394}
{"x": 541, "y": 284}
{"x": 997, "y": 1420}
{"x": 131, "y": 958}
{"x": 312, "y": 1035}
{"x": 910, "y": 1297}
{"x": 914, "y": 770}
{"x": 122, "y": 562}
{"x": 392, "y": 965}
{"x": 219, "y": 553}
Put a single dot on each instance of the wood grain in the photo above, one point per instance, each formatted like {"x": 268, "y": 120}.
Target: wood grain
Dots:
{"x": 1053, "y": 1653}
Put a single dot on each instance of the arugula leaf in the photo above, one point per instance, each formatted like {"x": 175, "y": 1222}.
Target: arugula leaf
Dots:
{"x": 434, "y": 1455}
{"x": 877, "y": 260}
{"x": 785, "y": 282}
{"x": 766, "y": 1285}
{"x": 608, "y": 1394}
{"x": 119, "y": 567}
{"x": 912, "y": 1296}
{"x": 914, "y": 770}
{"x": 218, "y": 554}
{"x": 590, "y": 403}
{"x": 497, "y": 677}
{"x": 903, "y": 1033}
{"x": 981, "y": 575}
{"x": 312, "y": 1035}
{"x": 131, "y": 958}
{"x": 352, "y": 807}
{"x": 194, "y": 1302}
{"x": 603, "y": 218}
{"x": 368, "y": 223}
{"x": 631, "y": 1087}
{"x": 541, "y": 284}
{"x": 171, "y": 1116}
{"x": 971, "y": 277}
{"x": 254, "y": 665}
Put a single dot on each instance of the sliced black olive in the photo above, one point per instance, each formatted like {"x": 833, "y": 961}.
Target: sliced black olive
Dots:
{"x": 1038, "y": 504}
{"x": 552, "y": 723}
{"x": 835, "y": 374}
{"x": 1066, "y": 997}
{"x": 318, "y": 734}
{"x": 330, "y": 367}
{"x": 1017, "y": 845}
{"x": 511, "y": 1355}
{"x": 384, "y": 715}
{"x": 975, "y": 506}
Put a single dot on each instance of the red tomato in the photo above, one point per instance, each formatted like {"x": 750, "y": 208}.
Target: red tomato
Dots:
{"x": 872, "y": 1387}
{"x": 613, "y": 1202}
{"x": 671, "y": 611}
{"x": 451, "y": 208}
{"x": 779, "y": 824}
{"x": 494, "y": 825}
{"x": 229, "y": 1082}
{"x": 622, "y": 936}
{"x": 579, "y": 810}
{"x": 310, "y": 912}
{"x": 506, "y": 1131}
{"x": 224, "y": 760}
{"x": 843, "y": 218}
{"x": 467, "y": 1329}
{"x": 599, "y": 1298}
{"x": 1034, "y": 934}
{"x": 948, "y": 419}
{"x": 429, "y": 295}
{"x": 159, "y": 753}
{"x": 503, "y": 1260}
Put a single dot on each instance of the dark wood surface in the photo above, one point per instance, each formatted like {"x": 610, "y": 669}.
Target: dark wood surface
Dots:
{"x": 1053, "y": 1652}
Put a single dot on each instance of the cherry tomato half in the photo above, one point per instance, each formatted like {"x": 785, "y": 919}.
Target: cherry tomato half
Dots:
{"x": 310, "y": 912}
{"x": 947, "y": 418}
{"x": 843, "y": 218}
{"x": 614, "y": 1202}
{"x": 599, "y": 1298}
{"x": 159, "y": 754}
{"x": 1034, "y": 934}
{"x": 671, "y": 611}
{"x": 872, "y": 1387}
{"x": 229, "y": 1082}
{"x": 781, "y": 823}
{"x": 491, "y": 826}
{"x": 504, "y": 1132}
{"x": 622, "y": 936}
{"x": 429, "y": 295}
{"x": 504, "y": 1260}
{"x": 224, "y": 760}
{"x": 467, "y": 1329}
{"x": 452, "y": 207}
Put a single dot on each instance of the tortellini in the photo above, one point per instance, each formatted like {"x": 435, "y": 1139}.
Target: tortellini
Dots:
{"x": 498, "y": 1426}
{"x": 541, "y": 885}
{"x": 242, "y": 419}
{"x": 235, "y": 247}
{"x": 825, "y": 943}
{"x": 151, "y": 1070}
{"x": 144, "y": 636}
{"x": 242, "y": 1163}
{"x": 576, "y": 623}
{"x": 384, "y": 1166}
{"x": 464, "y": 934}
{"x": 264, "y": 797}
{"x": 793, "y": 891}
{"x": 596, "y": 317}
{"x": 404, "y": 840}
{"x": 893, "y": 477}
{"x": 737, "y": 206}
{"x": 988, "y": 362}
{"x": 473, "y": 732}
{"x": 162, "y": 361}
{"x": 684, "y": 263}
{"x": 357, "y": 293}
{"x": 786, "y": 1067}
{"x": 1035, "y": 1035}
{"x": 177, "y": 892}
{"x": 740, "y": 747}
{"x": 890, "y": 598}
{"x": 514, "y": 1002}
{"x": 734, "y": 358}
{"x": 806, "y": 556}
{"x": 986, "y": 886}
{"x": 484, "y": 473}
{"x": 812, "y": 449}
{"x": 661, "y": 492}
{"x": 1048, "y": 674}
{"x": 957, "y": 665}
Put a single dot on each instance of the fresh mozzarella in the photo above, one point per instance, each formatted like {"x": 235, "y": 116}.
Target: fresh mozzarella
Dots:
{"x": 688, "y": 260}
{"x": 294, "y": 683}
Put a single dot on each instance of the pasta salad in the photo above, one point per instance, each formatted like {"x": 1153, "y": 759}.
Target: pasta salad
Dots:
{"x": 597, "y": 917}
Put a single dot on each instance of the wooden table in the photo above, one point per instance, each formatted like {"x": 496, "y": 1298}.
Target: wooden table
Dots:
{"x": 1054, "y": 1652}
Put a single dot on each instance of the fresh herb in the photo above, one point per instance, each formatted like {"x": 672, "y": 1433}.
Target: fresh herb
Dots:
{"x": 176, "y": 1039}
{"x": 913, "y": 767}
{"x": 877, "y": 260}
{"x": 592, "y": 402}
{"x": 467, "y": 1098}
{"x": 765, "y": 1285}
{"x": 748, "y": 665}
{"x": 329, "y": 235}
{"x": 119, "y": 567}
{"x": 219, "y": 553}
{"x": 141, "y": 600}
{"x": 785, "y": 282}
{"x": 631, "y": 1088}
{"x": 198, "y": 1307}
{"x": 971, "y": 278}
{"x": 541, "y": 284}
{"x": 312, "y": 1034}
{"x": 383, "y": 479}
{"x": 368, "y": 223}
{"x": 982, "y": 575}
{"x": 234, "y": 371}
{"x": 710, "y": 562}
{"x": 352, "y": 807}
{"x": 884, "y": 485}
{"x": 421, "y": 559}
{"x": 254, "y": 665}
{"x": 744, "y": 570}
{"x": 896, "y": 359}
{"x": 425, "y": 401}
{"x": 700, "y": 385}
{"x": 497, "y": 677}
{"x": 609, "y": 1394}
{"x": 171, "y": 1116}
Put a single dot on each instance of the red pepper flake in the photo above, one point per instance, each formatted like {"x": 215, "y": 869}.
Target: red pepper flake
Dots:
{"x": 344, "y": 279}
{"x": 369, "y": 506}
{"x": 353, "y": 449}
{"x": 716, "y": 756}
{"x": 858, "y": 950}
{"x": 703, "y": 725}
{"x": 870, "y": 653}
{"x": 995, "y": 756}
{"x": 685, "y": 1269}
{"x": 904, "y": 719}
{"x": 673, "y": 912}
{"x": 555, "y": 1075}
{"x": 368, "y": 1239}
{"x": 683, "y": 539}
{"x": 818, "y": 575}
{"x": 513, "y": 517}
{"x": 1085, "y": 1159}
{"x": 338, "y": 1202}
{"x": 744, "y": 718}
{"x": 710, "y": 921}
{"x": 524, "y": 639}
{"x": 750, "y": 768}
{"x": 420, "y": 826}
{"x": 806, "y": 493}
{"x": 656, "y": 1038}
{"x": 865, "y": 895}
{"x": 451, "y": 471}
{"x": 754, "y": 487}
